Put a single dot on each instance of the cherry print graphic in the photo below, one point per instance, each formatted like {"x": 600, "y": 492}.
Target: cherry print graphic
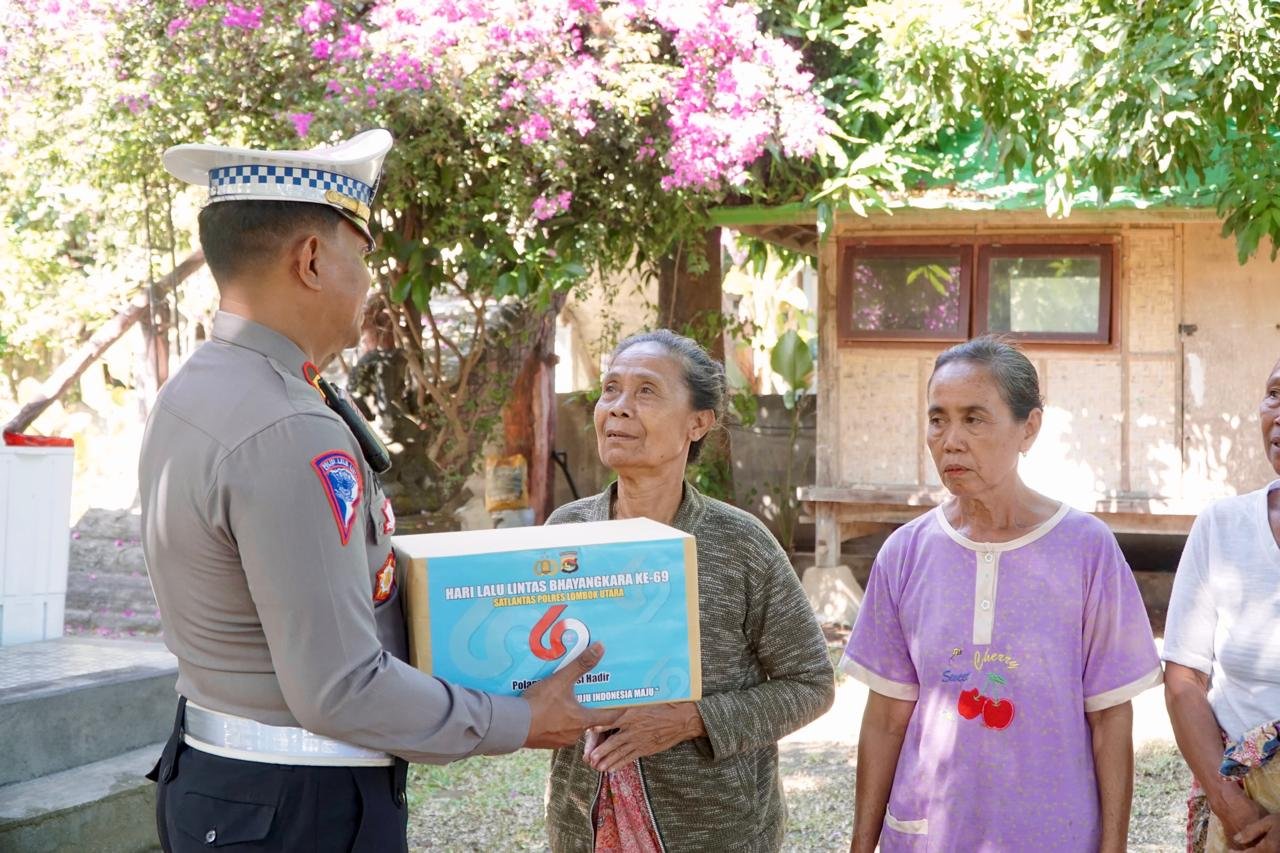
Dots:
{"x": 996, "y": 713}
{"x": 971, "y": 703}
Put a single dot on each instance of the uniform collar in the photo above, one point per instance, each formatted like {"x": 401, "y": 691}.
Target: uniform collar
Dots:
{"x": 234, "y": 329}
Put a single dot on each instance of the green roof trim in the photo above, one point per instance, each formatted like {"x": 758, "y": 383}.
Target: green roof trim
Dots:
{"x": 972, "y": 196}
{"x": 795, "y": 213}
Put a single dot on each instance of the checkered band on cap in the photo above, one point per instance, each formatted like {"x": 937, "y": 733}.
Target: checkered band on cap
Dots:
{"x": 229, "y": 182}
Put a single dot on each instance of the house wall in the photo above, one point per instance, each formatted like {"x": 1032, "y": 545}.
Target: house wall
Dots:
{"x": 1117, "y": 421}
{"x": 1236, "y": 311}
{"x": 593, "y": 319}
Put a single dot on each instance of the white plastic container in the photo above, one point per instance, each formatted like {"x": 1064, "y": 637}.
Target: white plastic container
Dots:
{"x": 35, "y": 520}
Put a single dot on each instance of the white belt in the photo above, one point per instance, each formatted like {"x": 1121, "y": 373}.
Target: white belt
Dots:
{"x": 248, "y": 740}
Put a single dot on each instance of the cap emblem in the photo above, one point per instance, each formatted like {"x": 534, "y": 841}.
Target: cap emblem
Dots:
{"x": 358, "y": 209}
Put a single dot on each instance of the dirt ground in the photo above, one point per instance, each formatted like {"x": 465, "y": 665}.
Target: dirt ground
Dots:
{"x": 493, "y": 804}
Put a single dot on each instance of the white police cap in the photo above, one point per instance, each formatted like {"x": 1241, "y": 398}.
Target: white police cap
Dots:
{"x": 343, "y": 176}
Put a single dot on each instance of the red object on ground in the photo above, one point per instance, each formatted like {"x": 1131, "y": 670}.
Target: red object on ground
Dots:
{"x": 17, "y": 439}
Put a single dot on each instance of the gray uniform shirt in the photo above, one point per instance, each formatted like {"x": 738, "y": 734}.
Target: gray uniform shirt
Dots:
{"x": 264, "y": 533}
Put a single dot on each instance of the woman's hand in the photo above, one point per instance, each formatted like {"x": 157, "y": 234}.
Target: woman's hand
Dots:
{"x": 1238, "y": 813}
{"x": 640, "y": 731}
{"x": 1263, "y": 835}
{"x": 1194, "y": 725}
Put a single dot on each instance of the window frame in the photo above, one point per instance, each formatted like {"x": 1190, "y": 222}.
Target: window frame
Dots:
{"x": 975, "y": 284}
{"x": 844, "y": 296}
{"x": 987, "y": 251}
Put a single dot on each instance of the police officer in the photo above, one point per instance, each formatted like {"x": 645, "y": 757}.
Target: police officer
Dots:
{"x": 267, "y": 538}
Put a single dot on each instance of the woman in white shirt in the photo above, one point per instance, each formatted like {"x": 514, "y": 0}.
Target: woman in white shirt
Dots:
{"x": 1222, "y": 661}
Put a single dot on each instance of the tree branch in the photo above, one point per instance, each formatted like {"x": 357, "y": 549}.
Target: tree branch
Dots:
{"x": 70, "y": 370}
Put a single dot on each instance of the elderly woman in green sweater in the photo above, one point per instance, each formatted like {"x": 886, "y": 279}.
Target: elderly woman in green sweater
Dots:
{"x": 691, "y": 776}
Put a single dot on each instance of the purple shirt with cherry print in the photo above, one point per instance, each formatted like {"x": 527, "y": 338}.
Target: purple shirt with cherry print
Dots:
{"x": 1004, "y": 647}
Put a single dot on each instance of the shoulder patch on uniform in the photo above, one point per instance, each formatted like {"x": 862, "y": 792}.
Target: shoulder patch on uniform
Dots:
{"x": 384, "y": 583}
{"x": 340, "y": 476}
{"x": 388, "y": 517}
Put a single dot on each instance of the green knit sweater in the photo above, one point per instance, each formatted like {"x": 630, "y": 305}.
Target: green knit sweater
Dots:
{"x": 765, "y": 673}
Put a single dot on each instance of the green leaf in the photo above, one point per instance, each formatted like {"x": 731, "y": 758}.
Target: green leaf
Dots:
{"x": 503, "y": 285}
{"x": 421, "y": 294}
{"x": 400, "y": 290}
{"x": 792, "y": 360}
{"x": 746, "y": 406}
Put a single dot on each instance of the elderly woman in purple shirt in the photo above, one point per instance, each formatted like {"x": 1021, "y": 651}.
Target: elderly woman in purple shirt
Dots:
{"x": 1002, "y": 636}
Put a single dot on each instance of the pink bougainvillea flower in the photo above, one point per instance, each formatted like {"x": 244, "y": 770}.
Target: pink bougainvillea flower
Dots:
{"x": 176, "y": 26}
{"x": 301, "y": 122}
{"x": 351, "y": 45}
{"x": 316, "y": 14}
{"x": 534, "y": 129}
{"x": 241, "y": 18}
{"x": 545, "y": 207}
{"x": 719, "y": 94}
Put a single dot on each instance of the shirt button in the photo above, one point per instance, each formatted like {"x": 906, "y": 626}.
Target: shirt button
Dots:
{"x": 986, "y": 605}
{"x": 211, "y": 836}
{"x": 989, "y": 557}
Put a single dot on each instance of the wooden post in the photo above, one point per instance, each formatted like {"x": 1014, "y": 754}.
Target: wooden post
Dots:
{"x": 692, "y": 300}
{"x": 826, "y": 547}
{"x": 693, "y": 303}
{"x": 155, "y": 333}
{"x": 529, "y": 416}
{"x": 828, "y": 468}
{"x": 541, "y": 466}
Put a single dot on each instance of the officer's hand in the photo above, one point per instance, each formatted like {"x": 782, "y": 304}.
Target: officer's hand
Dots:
{"x": 557, "y": 718}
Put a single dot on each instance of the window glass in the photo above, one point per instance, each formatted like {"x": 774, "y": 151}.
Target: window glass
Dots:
{"x": 1044, "y": 295}
{"x": 917, "y": 294}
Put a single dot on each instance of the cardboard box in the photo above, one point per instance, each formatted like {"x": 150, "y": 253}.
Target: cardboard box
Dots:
{"x": 498, "y": 610}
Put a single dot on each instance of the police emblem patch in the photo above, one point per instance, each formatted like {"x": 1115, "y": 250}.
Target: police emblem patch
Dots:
{"x": 384, "y": 583}
{"x": 388, "y": 517}
{"x": 340, "y": 476}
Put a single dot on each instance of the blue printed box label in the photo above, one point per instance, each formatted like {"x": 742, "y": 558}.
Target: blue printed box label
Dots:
{"x": 502, "y": 621}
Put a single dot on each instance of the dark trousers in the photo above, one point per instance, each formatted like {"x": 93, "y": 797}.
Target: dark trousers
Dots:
{"x": 205, "y": 801}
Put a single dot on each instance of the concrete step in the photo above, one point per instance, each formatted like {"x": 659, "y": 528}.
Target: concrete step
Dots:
{"x": 109, "y": 592}
{"x": 123, "y": 624}
{"x": 98, "y": 523}
{"x": 107, "y": 542}
{"x": 105, "y": 806}
{"x": 105, "y": 556}
{"x": 75, "y": 700}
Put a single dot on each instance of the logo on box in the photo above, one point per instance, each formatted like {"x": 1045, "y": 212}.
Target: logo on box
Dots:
{"x": 556, "y": 648}
{"x": 544, "y": 566}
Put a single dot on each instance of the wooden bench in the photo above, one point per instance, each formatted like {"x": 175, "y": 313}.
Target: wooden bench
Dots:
{"x": 849, "y": 512}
